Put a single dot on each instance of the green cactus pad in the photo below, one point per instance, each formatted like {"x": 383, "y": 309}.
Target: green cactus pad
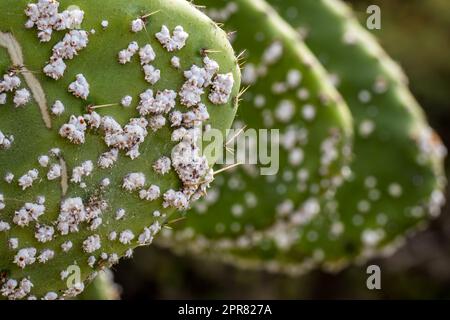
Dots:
{"x": 102, "y": 288}
{"x": 397, "y": 174}
{"x": 291, "y": 94}
{"x": 98, "y": 211}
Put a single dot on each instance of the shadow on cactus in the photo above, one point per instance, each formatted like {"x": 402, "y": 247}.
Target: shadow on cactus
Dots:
{"x": 99, "y": 128}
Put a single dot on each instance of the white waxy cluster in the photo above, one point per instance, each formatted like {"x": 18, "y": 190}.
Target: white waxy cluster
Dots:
{"x": 67, "y": 49}
{"x": 126, "y": 54}
{"x": 93, "y": 120}
{"x": 28, "y": 179}
{"x": 13, "y": 243}
{"x": 50, "y": 296}
{"x": 4, "y": 226}
{"x": 72, "y": 214}
{"x": 221, "y": 88}
{"x": 5, "y": 141}
{"x": 57, "y": 108}
{"x": 75, "y": 130}
{"x": 84, "y": 170}
{"x": 14, "y": 290}
{"x": 126, "y": 236}
{"x": 120, "y": 213}
{"x": 162, "y": 103}
{"x": 147, "y": 54}
{"x": 156, "y": 122}
{"x": 137, "y": 25}
{"x": 126, "y": 101}
{"x": 9, "y": 177}
{"x": 146, "y": 237}
{"x": 133, "y": 181}
{"x": 66, "y": 246}
{"x": 11, "y": 83}
{"x": 175, "y": 199}
{"x": 162, "y": 165}
{"x": 46, "y": 255}
{"x": 175, "y": 62}
{"x": 196, "y": 79}
{"x": 21, "y": 97}
{"x": 152, "y": 193}
{"x": 107, "y": 159}
{"x": 152, "y": 75}
{"x": 43, "y": 161}
{"x": 2, "y": 201}
{"x": 80, "y": 87}
{"x": 92, "y": 243}
{"x": 45, "y": 17}
{"x": 128, "y": 138}
{"x": 192, "y": 168}
{"x": 172, "y": 42}
{"x": 44, "y": 233}
{"x": 25, "y": 257}
{"x": 200, "y": 78}
{"x": 54, "y": 172}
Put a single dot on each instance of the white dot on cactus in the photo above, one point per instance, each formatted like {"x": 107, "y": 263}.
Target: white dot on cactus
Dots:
{"x": 259, "y": 101}
{"x": 364, "y": 96}
{"x": 395, "y": 190}
{"x": 57, "y": 108}
{"x": 137, "y": 25}
{"x": 237, "y": 210}
{"x": 285, "y": 111}
{"x": 21, "y": 97}
{"x": 294, "y": 77}
{"x": 175, "y": 62}
{"x": 303, "y": 94}
{"x": 309, "y": 112}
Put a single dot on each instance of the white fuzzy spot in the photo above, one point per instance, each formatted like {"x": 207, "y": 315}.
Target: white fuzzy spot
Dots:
{"x": 80, "y": 87}
{"x": 21, "y": 97}
{"x": 58, "y": 108}
{"x": 92, "y": 243}
{"x": 175, "y": 42}
{"x": 133, "y": 181}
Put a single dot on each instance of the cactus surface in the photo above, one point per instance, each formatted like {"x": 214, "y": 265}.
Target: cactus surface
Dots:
{"x": 291, "y": 94}
{"x": 397, "y": 174}
{"x": 99, "y": 130}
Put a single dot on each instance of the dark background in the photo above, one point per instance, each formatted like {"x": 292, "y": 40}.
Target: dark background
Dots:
{"x": 416, "y": 33}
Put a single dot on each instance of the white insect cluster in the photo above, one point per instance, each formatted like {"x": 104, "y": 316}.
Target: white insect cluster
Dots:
{"x": 11, "y": 83}
{"x": 45, "y": 17}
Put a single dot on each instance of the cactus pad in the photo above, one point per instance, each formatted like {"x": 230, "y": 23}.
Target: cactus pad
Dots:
{"x": 288, "y": 91}
{"x": 99, "y": 130}
{"x": 396, "y": 178}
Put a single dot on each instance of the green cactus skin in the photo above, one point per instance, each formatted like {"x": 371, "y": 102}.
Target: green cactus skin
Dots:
{"x": 397, "y": 175}
{"x": 250, "y": 205}
{"x": 109, "y": 83}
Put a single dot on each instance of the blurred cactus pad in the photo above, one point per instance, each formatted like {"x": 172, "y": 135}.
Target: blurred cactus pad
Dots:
{"x": 393, "y": 185}
{"x": 101, "y": 107}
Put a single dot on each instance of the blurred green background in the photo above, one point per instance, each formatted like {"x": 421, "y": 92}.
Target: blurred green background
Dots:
{"x": 416, "y": 33}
